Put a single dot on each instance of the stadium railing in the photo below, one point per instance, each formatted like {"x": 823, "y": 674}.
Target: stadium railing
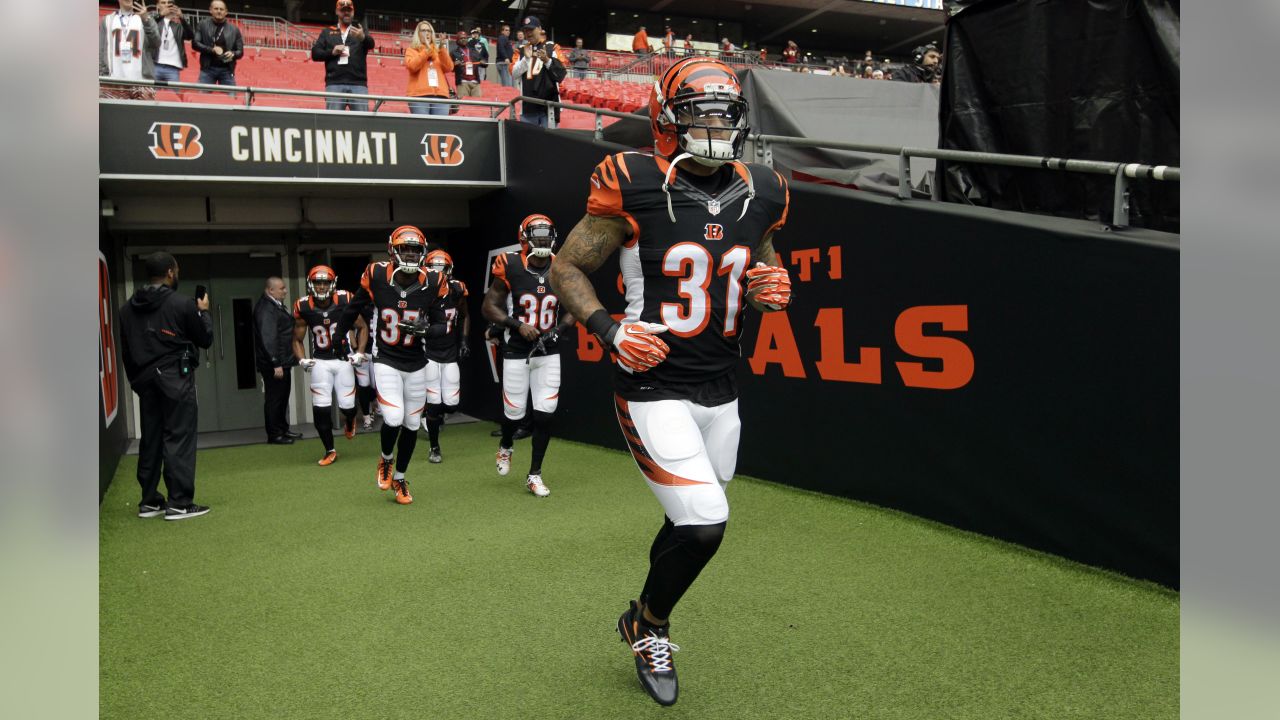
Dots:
{"x": 762, "y": 144}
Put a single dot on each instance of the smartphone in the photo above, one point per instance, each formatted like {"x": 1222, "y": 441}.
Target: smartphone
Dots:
{"x": 201, "y": 291}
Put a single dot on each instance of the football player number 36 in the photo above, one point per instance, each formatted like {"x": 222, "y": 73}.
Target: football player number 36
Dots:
{"x": 693, "y": 264}
{"x": 541, "y": 315}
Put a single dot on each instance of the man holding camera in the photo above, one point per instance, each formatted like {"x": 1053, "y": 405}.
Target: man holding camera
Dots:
{"x": 540, "y": 72}
{"x": 160, "y": 332}
{"x": 220, "y": 46}
{"x": 344, "y": 49}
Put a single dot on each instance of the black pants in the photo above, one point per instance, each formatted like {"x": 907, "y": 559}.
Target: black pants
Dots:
{"x": 167, "y": 405}
{"x": 275, "y": 407}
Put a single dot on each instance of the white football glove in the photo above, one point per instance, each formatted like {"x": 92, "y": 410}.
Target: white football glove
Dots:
{"x": 637, "y": 347}
{"x": 357, "y": 359}
{"x": 307, "y": 364}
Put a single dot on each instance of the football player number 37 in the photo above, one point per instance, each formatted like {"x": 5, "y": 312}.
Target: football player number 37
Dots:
{"x": 391, "y": 320}
{"x": 693, "y": 265}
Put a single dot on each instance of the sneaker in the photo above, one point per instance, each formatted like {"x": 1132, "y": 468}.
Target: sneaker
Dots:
{"x": 368, "y": 422}
{"x": 350, "y": 429}
{"x": 652, "y": 649}
{"x": 150, "y": 511}
{"x": 504, "y": 460}
{"x": 534, "y": 483}
{"x": 329, "y": 458}
{"x": 402, "y": 491}
{"x": 190, "y": 511}
{"x": 435, "y": 456}
{"x": 384, "y": 474}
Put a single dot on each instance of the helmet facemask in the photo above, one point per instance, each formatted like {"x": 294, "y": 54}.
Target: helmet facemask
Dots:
{"x": 320, "y": 287}
{"x": 442, "y": 267}
{"x": 540, "y": 240}
{"x": 712, "y": 126}
{"x": 408, "y": 250}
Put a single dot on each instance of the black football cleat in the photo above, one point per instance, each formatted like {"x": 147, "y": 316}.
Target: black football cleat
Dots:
{"x": 652, "y": 649}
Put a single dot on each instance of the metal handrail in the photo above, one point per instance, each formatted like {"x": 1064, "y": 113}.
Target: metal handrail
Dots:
{"x": 497, "y": 107}
{"x": 1123, "y": 172}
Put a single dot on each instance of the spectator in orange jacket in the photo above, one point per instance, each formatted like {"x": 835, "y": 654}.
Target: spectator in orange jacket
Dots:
{"x": 428, "y": 63}
{"x": 640, "y": 43}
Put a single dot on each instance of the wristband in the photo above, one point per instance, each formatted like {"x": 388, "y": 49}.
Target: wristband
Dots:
{"x": 512, "y": 323}
{"x": 603, "y": 326}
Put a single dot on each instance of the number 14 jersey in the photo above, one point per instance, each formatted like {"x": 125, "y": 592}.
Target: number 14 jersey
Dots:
{"x": 687, "y": 274}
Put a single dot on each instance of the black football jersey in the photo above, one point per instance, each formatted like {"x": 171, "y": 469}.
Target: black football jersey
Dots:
{"x": 322, "y": 325}
{"x": 530, "y": 300}
{"x": 444, "y": 349}
{"x": 687, "y": 274}
{"x": 392, "y": 304}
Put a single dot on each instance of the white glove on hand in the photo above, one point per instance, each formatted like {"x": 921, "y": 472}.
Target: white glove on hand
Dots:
{"x": 638, "y": 348}
{"x": 307, "y": 364}
{"x": 357, "y": 359}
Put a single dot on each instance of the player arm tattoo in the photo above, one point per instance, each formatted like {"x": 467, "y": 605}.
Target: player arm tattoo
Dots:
{"x": 299, "y": 332}
{"x": 589, "y": 244}
{"x": 494, "y": 306}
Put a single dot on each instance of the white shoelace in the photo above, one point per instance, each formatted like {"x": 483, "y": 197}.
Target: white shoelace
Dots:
{"x": 659, "y": 649}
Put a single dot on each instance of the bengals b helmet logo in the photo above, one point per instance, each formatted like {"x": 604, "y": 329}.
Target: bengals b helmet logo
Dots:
{"x": 714, "y": 232}
{"x": 442, "y": 150}
{"x": 175, "y": 141}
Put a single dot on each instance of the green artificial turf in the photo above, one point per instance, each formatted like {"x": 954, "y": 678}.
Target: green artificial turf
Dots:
{"x": 307, "y": 593}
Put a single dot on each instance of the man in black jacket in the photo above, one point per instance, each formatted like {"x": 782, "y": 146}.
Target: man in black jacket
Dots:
{"x": 926, "y": 66}
{"x": 540, "y": 73}
{"x": 273, "y": 354}
{"x": 344, "y": 49}
{"x": 220, "y": 46}
{"x": 175, "y": 33}
{"x": 159, "y": 333}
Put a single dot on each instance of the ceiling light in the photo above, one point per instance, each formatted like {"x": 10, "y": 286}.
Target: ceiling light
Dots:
{"x": 814, "y": 30}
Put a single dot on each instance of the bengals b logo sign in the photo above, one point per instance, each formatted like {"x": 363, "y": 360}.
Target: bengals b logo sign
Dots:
{"x": 714, "y": 232}
{"x": 442, "y": 150}
{"x": 108, "y": 375}
{"x": 175, "y": 141}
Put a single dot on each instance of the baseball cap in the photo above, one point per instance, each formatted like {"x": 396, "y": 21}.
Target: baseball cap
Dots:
{"x": 532, "y": 22}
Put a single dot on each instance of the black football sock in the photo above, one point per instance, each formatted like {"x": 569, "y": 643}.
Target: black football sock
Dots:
{"x": 389, "y": 435}
{"x": 348, "y": 418}
{"x": 435, "y": 418}
{"x": 323, "y": 418}
{"x": 508, "y": 432}
{"x": 404, "y": 452}
{"x": 662, "y": 542}
{"x": 541, "y": 438}
{"x": 364, "y": 399}
{"x": 678, "y": 565}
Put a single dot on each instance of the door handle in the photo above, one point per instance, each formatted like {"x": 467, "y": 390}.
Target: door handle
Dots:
{"x": 221, "y": 353}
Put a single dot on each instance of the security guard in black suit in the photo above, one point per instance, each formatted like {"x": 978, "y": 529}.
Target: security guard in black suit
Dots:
{"x": 159, "y": 333}
{"x": 273, "y": 354}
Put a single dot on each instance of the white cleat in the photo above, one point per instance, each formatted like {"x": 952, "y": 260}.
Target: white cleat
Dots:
{"x": 504, "y": 460}
{"x": 534, "y": 483}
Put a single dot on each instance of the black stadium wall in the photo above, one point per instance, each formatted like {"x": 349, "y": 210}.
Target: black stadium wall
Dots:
{"x": 112, "y": 438}
{"x": 1008, "y": 374}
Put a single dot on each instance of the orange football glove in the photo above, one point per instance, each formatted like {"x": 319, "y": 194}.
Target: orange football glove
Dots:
{"x": 638, "y": 348}
{"x": 769, "y": 285}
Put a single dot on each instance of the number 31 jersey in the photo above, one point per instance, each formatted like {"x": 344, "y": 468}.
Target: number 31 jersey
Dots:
{"x": 322, "y": 325}
{"x": 687, "y": 274}
{"x": 393, "y": 304}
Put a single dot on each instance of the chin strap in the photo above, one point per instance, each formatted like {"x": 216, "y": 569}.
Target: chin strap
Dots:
{"x": 751, "y": 188}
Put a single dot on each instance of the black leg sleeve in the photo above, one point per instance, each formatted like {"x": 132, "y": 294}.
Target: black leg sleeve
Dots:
{"x": 404, "y": 453}
{"x": 323, "y": 418}
{"x": 389, "y": 435}
{"x": 435, "y": 418}
{"x": 541, "y": 438}
{"x": 678, "y": 565}
{"x": 508, "y": 431}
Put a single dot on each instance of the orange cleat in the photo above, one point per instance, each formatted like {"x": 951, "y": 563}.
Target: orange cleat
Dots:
{"x": 329, "y": 458}
{"x": 350, "y": 431}
{"x": 384, "y": 474}
{"x": 402, "y": 491}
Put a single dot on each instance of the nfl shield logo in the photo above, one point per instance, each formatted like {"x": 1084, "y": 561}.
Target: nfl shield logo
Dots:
{"x": 713, "y": 207}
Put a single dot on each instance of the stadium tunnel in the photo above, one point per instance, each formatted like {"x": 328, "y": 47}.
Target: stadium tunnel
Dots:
{"x": 1004, "y": 373}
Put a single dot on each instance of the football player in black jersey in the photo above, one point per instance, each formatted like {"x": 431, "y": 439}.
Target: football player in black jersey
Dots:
{"x": 403, "y": 294}
{"x": 521, "y": 300}
{"x": 694, "y": 229}
{"x": 365, "y": 391}
{"x": 330, "y": 364}
{"x": 443, "y": 381}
